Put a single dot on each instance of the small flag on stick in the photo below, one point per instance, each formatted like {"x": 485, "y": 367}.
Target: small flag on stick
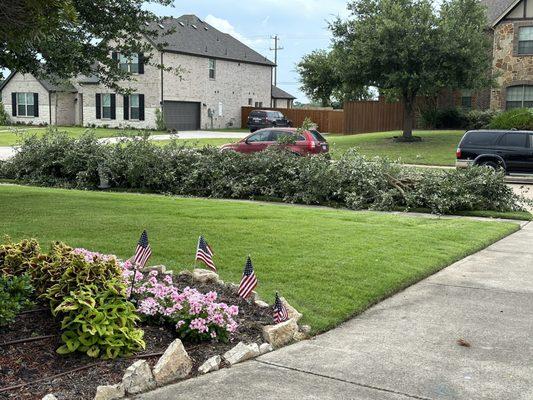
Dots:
{"x": 143, "y": 251}
{"x": 280, "y": 311}
{"x": 205, "y": 254}
{"x": 248, "y": 281}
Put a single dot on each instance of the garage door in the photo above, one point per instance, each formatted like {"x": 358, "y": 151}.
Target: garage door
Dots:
{"x": 182, "y": 115}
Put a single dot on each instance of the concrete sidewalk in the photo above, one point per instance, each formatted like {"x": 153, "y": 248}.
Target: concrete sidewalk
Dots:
{"x": 406, "y": 346}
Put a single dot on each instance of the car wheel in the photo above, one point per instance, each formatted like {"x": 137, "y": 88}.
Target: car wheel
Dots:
{"x": 252, "y": 130}
{"x": 496, "y": 166}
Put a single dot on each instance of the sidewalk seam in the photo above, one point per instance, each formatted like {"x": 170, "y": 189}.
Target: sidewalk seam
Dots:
{"x": 411, "y": 396}
{"x": 473, "y": 287}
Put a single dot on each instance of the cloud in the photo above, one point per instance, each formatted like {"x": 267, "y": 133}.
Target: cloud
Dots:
{"x": 225, "y": 26}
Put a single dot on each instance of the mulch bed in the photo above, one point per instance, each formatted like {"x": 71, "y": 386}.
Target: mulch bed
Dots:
{"x": 30, "y": 361}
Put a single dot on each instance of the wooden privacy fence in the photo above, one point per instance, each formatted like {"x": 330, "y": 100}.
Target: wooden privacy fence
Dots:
{"x": 327, "y": 120}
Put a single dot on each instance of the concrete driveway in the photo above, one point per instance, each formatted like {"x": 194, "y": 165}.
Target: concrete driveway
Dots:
{"x": 407, "y": 347}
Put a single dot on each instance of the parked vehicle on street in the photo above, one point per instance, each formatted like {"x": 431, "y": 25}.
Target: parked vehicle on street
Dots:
{"x": 259, "y": 119}
{"x": 306, "y": 142}
{"x": 511, "y": 151}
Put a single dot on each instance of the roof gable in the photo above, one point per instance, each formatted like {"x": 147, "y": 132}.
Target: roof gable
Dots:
{"x": 278, "y": 93}
{"x": 498, "y": 9}
{"x": 48, "y": 85}
{"x": 196, "y": 37}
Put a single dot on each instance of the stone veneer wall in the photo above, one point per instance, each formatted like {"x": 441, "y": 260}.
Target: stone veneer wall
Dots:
{"x": 509, "y": 69}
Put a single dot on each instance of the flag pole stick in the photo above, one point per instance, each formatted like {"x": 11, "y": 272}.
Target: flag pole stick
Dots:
{"x": 133, "y": 281}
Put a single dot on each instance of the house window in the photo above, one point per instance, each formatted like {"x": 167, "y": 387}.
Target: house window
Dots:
{"x": 525, "y": 40}
{"x": 250, "y": 102}
{"x": 106, "y": 106}
{"x": 466, "y": 99}
{"x": 519, "y": 96}
{"x": 134, "y": 106}
{"x": 129, "y": 63}
{"x": 212, "y": 68}
{"x": 258, "y": 104}
{"x": 25, "y": 105}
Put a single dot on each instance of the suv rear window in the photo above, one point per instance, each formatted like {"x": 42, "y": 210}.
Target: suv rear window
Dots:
{"x": 514, "y": 140}
{"x": 481, "y": 138}
{"x": 258, "y": 114}
{"x": 275, "y": 114}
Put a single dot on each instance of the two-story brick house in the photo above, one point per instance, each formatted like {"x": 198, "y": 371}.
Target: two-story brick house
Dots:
{"x": 220, "y": 75}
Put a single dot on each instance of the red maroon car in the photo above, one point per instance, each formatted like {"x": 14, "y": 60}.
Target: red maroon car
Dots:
{"x": 307, "y": 142}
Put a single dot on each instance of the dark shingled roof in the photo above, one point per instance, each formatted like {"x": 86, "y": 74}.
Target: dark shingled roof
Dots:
{"x": 204, "y": 40}
{"x": 495, "y": 8}
{"x": 49, "y": 85}
{"x": 277, "y": 93}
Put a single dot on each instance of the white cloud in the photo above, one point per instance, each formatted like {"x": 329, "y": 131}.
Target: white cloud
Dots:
{"x": 225, "y": 26}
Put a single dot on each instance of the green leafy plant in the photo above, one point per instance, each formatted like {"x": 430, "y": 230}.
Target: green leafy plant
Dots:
{"x": 518, "y": 118}
{"x": 160, "y": 120}
{"x": 99, "y": 322}
{"x": 15, "y": 292}
{"x": 4, "y": 117}
{"x": 16, "y": 258}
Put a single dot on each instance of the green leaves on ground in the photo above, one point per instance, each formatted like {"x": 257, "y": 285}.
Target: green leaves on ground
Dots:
{"x": 15, "y": 292}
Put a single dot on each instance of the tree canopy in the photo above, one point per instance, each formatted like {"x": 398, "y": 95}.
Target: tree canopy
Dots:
{"x": 64, "y": 38}
{"x": 410, "y": 48}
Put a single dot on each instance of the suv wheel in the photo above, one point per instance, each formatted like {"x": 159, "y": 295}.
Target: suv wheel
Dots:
{"x": 496, "y": 166}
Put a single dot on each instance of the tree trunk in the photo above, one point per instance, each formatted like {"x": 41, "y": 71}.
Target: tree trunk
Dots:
{"x": 408, "y": 116}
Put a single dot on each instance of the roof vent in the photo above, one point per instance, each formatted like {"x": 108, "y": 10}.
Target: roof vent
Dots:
{"x": 206, "y": 28}
{"x": 206, "y": 49}
{"x": 181, "y": 23}
{"x": 194, "y": 26}
{"x": 146, "y": 23}
{"x": 161, "y": 26}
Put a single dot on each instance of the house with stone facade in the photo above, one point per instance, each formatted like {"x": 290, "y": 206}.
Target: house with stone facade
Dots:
{"x": 220, "y": 75}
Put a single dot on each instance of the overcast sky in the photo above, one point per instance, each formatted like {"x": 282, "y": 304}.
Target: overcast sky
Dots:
{"x": 300, "y": 24}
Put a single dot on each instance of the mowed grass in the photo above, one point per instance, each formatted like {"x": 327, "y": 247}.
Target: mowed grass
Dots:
{"x": 330, "y": 264}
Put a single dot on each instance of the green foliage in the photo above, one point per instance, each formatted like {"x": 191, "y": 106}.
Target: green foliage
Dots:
{"x": 476, "y": 119}
{"x": 4, "y": 117}
{"x": 353, "y": 181}
{"x": 99, "y": 322}
{"x": 16, "y": 258}
{"x": 456, "y": 118}
{"x": 15, "y": 292}
{"x": 412, "y": 48}
{"x": 519, "y": 118}
{"x": 160, "y": 120}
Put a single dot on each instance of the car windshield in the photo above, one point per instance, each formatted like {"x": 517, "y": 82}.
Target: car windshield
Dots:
{"x": 316, "y": 134}
{"x": 275, "y": 114}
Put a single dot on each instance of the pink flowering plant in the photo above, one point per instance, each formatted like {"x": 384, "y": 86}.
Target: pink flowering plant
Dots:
{"x": 195, "y": 316}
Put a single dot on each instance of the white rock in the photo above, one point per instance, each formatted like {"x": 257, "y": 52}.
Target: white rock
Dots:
{"x": 49, "y": 397}
{"x": 281, "y": 334}
{"x": 138, "y": 378}
{"x": 185, "y": 272}
{"x": 293, "y": 313}
{"x": 204, "y": 276}
{"x": 299, "y": 336}
{"x": 241, "y": 352}
{"x": 266, "y": 348}
{"x": 305, "y": 329}
{"x": 174, "y": 364}
{"x": 159, "y": 268}
{"x": 212, "y": 364}
{"x": 110, "y": 392}
{"x": 261, "y": 303}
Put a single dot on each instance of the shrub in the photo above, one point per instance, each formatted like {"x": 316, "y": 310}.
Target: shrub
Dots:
{"x": 476, "y": 119}
{"x": 15, "y": 292}
{"x": 99, "y": 322}
{"x": 519, "y": 118}
{"x": 195, "y": 316}
{"x": 4, "y": 116}
{"x": 447, "y": 118}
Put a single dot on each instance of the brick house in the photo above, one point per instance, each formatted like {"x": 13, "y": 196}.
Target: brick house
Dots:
{"x": 221, "y": 74}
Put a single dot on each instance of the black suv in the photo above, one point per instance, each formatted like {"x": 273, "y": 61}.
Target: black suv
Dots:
{"x": 511, "y": 151}
{"x": 259, "y": 119}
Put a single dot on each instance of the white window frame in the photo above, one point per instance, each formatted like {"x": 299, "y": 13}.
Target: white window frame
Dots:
{"x": 129, "y": 64}
{"x": 25, "y": 104}
{"x": 103, "y": 96}
{"x": 522, "y": 97}
{"x": 212, "y": 69}
{"x": 521, "y": 39}
{"x": 131, "y": 107}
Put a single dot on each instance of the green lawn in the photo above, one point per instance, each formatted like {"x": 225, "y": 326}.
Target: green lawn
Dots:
{"x": 331, "y": 264}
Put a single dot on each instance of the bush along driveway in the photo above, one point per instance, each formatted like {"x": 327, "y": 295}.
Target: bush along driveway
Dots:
{"x": 354, "y": 181}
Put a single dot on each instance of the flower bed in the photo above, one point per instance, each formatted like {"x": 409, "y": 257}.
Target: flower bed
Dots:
{"x": 208, "y": 316}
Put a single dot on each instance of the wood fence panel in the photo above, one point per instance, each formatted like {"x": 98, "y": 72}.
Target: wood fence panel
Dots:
{"x": 331, "y": 121}
{"x": 372, "y": 116}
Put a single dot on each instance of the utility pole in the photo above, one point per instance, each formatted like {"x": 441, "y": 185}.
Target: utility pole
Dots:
{"x": 275, "y": 49}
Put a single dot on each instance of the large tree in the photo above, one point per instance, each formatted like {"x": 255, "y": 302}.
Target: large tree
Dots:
{"x": 64, "y": 38}
{"x": 410, "y": 48}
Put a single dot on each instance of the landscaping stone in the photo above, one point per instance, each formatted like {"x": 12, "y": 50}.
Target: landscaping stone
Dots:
{"x": 305, "y": 329}
{"x": 266, "y": 348}
{"x": 234, "y": 287}
{"x": 299, "y": 336}
{"x": 293, "y": 313}
{"x": 138, "y": 378}
{"x": 174, "y": 364}
{"x": 261, "y": 303}
{"x": 110, "y": 392}
{"x": 212, "y": 364}
{"x": 185, "y": 272}
{"x": 49, "y": 397}
{"x": 159, "y": 268}
{"x": 281, "y": 334}
{"x": 205, "y": 276}
{"x": 241, "y": 352}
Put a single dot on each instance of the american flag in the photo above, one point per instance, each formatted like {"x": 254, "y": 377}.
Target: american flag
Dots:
{"x": 280, "y": 311}
{"x": 143, "y": 251}
{"x": 205, "y": 254}
{"x": 248, "y": 281}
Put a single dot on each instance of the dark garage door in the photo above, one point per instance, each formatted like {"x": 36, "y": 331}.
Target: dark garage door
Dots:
{"x": 182, "y": 115}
